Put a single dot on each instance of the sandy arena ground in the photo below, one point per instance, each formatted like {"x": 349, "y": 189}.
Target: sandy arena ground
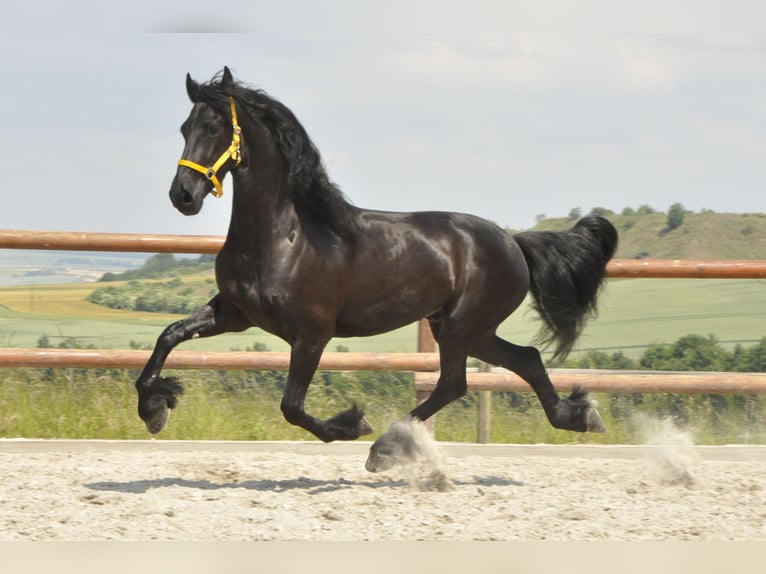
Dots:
{"x": 157, "y": 490}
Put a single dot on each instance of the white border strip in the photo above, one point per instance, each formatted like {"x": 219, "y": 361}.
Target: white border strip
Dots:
{"x": 360, "y": 448}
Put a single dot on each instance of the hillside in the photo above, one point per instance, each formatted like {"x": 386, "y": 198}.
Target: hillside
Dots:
{"x": 32, "y": 267}
{"x": 700, "y": 236}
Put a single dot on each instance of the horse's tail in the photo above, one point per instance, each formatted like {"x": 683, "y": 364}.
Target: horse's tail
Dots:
{"x": 566, "y": 271}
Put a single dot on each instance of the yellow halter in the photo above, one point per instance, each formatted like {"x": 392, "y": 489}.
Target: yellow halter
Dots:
{"x": 232, "y": 152}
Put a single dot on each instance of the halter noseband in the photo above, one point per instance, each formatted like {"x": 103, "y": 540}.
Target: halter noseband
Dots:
{"x": 233, "y": 152}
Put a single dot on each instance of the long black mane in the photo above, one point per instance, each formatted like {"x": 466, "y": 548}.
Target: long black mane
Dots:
{"x": 314, "y": 194}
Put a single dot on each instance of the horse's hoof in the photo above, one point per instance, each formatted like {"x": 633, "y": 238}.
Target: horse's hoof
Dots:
{"x": 594, "y": 422}
{"x": 158, "y": 421}
{"x": 397, "y": 445}
{"x": 365, "y": 427}
{"x": 155, "y": 401}
{"x": 377, "y": 462}
{"x": 383, "y": 454}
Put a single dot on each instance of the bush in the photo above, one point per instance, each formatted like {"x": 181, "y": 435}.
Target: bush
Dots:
{"x": 601, "y": 212}
{"x": 689, "y": 353}
{"x": 172, "y": 296}
{"x": 575, "y": 213}
{"x": 676, "y": 215}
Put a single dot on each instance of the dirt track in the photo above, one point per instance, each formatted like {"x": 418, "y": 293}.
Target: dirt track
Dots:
{"x": 154, "y": 490}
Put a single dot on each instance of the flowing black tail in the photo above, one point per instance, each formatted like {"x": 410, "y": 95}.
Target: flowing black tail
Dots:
{"x": 566, "y": 271}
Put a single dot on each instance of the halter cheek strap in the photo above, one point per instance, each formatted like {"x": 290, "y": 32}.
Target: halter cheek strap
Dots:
{"x": 233, "y": 152}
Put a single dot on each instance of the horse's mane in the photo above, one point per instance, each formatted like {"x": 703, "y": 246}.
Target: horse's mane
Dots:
{"x": 308, "y": 182}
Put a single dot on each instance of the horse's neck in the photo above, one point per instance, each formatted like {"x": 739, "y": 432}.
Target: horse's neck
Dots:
{"x": 260, "y": 212}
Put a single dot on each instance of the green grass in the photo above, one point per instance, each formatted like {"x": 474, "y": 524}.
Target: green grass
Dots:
{"x": 41, "y": 403}
{"x": 62, "y": 311}
{"x": 75, "y": 403}
{"x": 634, "y": 313}
{"x": 638, "y": 312}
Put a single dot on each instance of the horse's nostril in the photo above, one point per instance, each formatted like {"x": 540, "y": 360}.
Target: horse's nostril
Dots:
{"x": 186, "y": 197}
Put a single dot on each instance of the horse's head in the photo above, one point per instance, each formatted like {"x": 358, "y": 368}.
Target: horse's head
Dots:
{"x": 212, "y": 135}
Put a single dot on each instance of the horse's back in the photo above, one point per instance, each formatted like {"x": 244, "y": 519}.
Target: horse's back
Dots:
{"x": 412, "y": 265}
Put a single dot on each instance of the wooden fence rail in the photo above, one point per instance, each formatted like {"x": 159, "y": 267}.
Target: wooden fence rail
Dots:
{"x": 425, "y": 366}
{"x": 226, "y": 360}
{"x": 122, "y": 242}
{"x": 607, "y": 381}
{"x": 687, "y": 269}
{"x": 146, "y": 243}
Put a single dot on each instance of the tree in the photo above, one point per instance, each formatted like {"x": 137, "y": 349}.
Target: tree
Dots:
{"x": 259, "y": 347}
{"x": 676, "y": 215}
{"x": 159, "y": 262}
{"x": 574, "y": 213}
{"x": 756, "y": 357}
{"x": 689, "y": 353}
{"x": 602, "y": 360}
{"x": 601, "y": 211}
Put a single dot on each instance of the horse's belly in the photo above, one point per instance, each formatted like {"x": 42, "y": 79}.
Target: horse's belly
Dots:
{"x": 379, "y": 317}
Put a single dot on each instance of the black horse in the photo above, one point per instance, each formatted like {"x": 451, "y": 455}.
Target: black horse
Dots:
{"x": 304, "y": 264}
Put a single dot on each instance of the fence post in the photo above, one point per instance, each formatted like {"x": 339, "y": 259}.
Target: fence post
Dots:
{"x": 485, "y": 409}
{"x": 426, "y": 341}
{"x": 426, "y": 344}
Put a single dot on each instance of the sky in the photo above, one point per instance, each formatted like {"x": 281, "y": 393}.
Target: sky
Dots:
{"x": 508, "y": 110}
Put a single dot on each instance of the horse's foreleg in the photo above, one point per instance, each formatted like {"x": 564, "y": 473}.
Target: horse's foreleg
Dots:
{"x": 347, "y": 425}
{"x": 575, "y": 413}
{"x": 156, "y": 395}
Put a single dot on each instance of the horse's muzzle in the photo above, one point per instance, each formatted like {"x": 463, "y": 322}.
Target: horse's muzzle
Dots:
{"x": 184, "y": 200}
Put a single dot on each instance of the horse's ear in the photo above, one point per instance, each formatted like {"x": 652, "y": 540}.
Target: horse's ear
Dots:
{"x": 192, "y": 89}
{"x": 227, "y": 79}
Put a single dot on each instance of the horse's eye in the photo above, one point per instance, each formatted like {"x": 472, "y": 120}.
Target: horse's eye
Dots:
{"x": 212, "y": 129}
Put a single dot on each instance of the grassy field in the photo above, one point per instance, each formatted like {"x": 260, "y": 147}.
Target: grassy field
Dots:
{"x": 92, "y": 404}
{"x": 634, "y": 313}
{"x": 638, "y": 312}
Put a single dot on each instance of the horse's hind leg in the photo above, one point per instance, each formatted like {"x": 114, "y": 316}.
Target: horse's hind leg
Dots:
{"x": 156, "y": 395}
{"x": 397, "y": 444}
{"x": 575, "y": 413}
